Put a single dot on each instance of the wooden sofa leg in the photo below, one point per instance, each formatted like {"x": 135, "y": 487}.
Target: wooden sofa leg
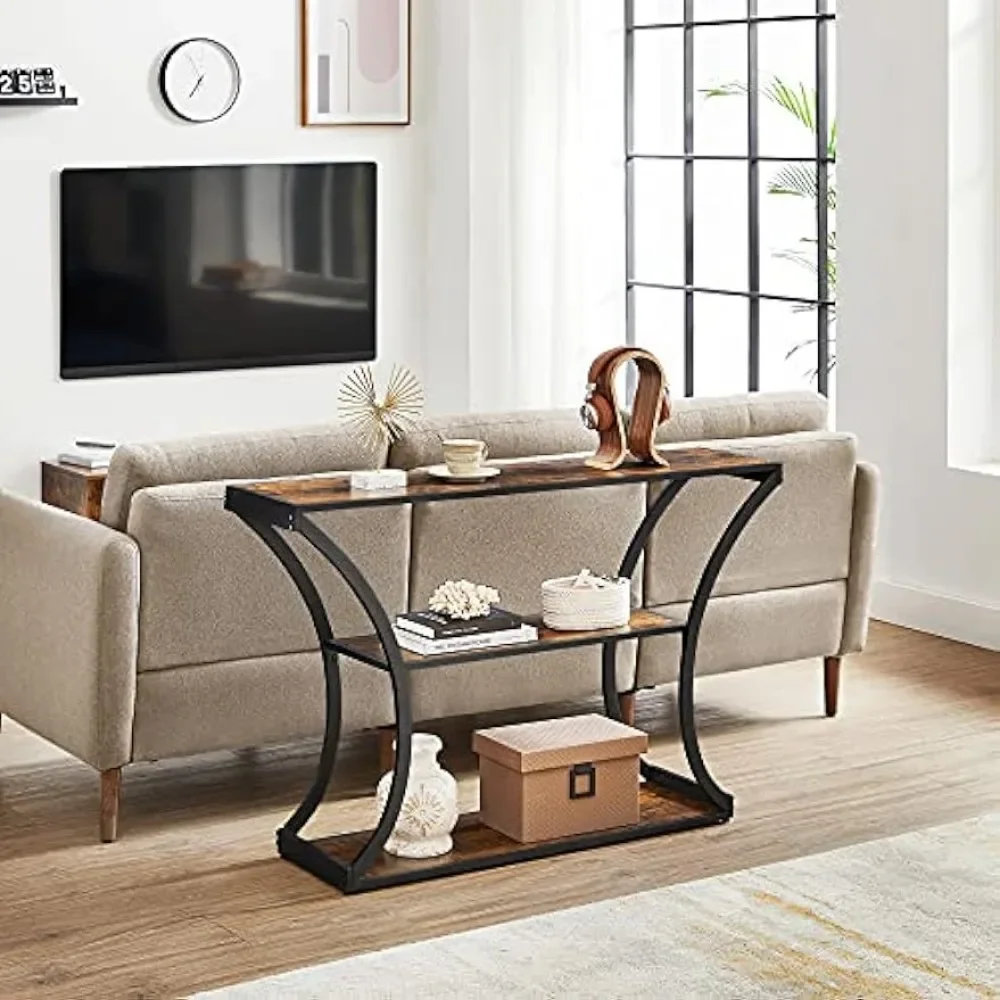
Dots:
{"x": 626, "y": 702}
{"x": 386, "y": 754}
{"x": 831, "y": 684}
{"x": 111, "y": 788}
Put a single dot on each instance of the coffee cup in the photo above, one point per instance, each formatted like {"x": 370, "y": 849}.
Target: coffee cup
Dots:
{"x": 464, "y": 456}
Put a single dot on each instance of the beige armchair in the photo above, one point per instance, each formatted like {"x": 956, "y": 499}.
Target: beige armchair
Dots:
{"x": 69, "y": 628}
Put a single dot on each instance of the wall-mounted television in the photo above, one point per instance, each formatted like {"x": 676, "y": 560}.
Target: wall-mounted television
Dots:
{"x": 173, "y": 269}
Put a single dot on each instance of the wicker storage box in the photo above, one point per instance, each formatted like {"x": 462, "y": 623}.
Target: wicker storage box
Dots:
{"x": 585, "y": 602}
{"x": 560, "y": 777}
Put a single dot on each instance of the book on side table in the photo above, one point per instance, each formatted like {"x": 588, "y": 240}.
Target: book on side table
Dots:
{"x": 90, "y": 455}
{"x": 427, "y": 632}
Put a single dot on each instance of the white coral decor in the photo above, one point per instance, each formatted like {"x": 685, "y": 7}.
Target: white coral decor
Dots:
{"x": 463, "y": 599}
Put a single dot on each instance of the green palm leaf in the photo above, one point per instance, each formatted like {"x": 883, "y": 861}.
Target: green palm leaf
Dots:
{"x": 798, "y": 102}
{"x": 796, "y": 99}
{"x": 799, "y": 257}
{"x": 795, "y": 179}
{"x": 799, "y": 180}
{"x": 811, "y": 373}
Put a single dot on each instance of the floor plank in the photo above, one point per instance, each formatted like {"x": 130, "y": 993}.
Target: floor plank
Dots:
{"x": 192, "y": 896}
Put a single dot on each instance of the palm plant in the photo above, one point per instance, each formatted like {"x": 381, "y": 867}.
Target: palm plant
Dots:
{"x": 799, "y": 180}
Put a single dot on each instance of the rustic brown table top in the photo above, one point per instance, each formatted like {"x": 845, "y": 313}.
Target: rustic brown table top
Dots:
{"x": 280, "y": 499}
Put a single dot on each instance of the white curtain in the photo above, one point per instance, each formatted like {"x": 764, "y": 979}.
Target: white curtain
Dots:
{"x": 546, "y": 198}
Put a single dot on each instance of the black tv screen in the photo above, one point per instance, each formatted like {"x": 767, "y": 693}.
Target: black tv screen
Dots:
{"x": 172, "y": 269}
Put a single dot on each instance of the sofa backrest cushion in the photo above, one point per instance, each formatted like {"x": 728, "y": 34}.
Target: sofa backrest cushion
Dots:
{"x": 801, "y": 536}
{"x": 521, "y": 434}
{"x": 212, "y": 591}
{"x": 250, "y": 455}
{"x": 752, "y": 414}
{"x": 558, "y": 432}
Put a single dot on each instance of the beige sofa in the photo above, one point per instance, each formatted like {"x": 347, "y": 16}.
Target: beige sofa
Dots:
{"x": 169, "y": 629}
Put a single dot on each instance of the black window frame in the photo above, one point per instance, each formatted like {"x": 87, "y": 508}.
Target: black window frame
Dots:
{"x": 822, "y": 18}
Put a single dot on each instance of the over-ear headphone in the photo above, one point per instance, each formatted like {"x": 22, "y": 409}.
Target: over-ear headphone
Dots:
{"x": 597, "y": 413}
{"x": 600, "y": 411}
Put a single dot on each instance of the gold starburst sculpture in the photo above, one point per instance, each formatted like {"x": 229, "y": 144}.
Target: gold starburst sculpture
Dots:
{"x": 381, "y": 421}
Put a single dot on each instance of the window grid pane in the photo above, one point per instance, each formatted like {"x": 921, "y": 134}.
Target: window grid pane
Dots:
{"x": 783, "y": 288}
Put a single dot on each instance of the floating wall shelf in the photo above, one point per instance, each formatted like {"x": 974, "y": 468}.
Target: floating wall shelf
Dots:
{"x": 38, "y": 102}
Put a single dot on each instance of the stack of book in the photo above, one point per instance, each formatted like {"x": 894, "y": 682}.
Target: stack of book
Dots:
{"x": 427, "y": 632}
{"x": 90, "y": 455}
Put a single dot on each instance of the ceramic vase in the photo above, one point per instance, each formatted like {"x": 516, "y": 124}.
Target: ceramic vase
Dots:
{"x": 430, "y": 806}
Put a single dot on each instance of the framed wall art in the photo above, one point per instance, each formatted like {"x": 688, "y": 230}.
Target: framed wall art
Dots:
{"x": 355, "y": 62}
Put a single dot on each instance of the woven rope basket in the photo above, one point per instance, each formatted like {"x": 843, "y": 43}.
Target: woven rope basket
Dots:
{"x": 586, "y": 602}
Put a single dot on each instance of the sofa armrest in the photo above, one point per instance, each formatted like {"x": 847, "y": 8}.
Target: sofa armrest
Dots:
{"x": 864, "y": 533}
{"x": 69, "y": 612}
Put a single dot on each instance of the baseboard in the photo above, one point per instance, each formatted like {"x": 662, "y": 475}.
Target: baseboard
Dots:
{"x": 976, "y": 624}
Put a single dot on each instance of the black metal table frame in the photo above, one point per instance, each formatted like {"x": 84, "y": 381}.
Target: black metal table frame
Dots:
{"x": 352, "y": 877}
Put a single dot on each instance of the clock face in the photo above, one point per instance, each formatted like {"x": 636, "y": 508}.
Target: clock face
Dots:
{"x": 200, "y": 80}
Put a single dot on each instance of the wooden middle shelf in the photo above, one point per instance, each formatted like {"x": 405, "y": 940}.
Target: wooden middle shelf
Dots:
{"x": 368, "y": 649}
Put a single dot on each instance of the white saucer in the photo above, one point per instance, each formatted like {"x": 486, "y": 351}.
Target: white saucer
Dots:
{"x": 481, "y": 474}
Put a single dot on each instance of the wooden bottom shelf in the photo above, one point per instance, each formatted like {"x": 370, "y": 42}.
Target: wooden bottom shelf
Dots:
{"x": 478, "y": 846}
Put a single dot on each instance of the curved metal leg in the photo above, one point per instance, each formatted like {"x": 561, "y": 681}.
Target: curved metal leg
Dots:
{"x": 369, "y": 600}
{"x": 331, "y": 742}
{"x": 638, "y": 544}
{"x": 331, "y": 669}
{"x": 689, "y": 648}
{"x": 609, "y": 680}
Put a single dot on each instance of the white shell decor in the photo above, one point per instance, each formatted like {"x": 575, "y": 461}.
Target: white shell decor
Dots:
{"x": 430, "y": 807}
{"x": 381, "y": 421}
{"x": 585, "y": 602}
{"x": 462, "y": 599}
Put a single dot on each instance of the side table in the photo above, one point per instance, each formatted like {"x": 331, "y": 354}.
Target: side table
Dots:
{"x": 72, "y": 488}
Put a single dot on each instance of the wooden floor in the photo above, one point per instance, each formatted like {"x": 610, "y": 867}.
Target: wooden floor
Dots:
{"x": 193, "y": 896}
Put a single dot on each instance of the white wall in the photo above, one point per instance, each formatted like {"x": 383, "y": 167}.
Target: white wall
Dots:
{"x": 108, "y": 51}
{"x": 973, "y": 384}
{"x": 940, "y": 546}
{"x": 438, "y": 209}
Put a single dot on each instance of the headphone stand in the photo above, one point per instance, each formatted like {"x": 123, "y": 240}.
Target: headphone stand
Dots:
{"x": 650, "y": 408}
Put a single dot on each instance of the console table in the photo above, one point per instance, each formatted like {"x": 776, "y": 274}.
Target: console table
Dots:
{"x": 355, "y": 862}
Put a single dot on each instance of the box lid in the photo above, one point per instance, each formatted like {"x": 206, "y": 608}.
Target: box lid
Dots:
{"x": 551, "y": 743}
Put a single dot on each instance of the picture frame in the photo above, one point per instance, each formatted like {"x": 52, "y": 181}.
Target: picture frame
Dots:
{"x": 355, "y": 58}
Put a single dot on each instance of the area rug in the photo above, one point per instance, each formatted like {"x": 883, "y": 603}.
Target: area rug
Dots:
{"x": 914, "y": 917}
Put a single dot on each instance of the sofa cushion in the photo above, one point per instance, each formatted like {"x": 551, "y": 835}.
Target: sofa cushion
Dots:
{"x": 515, "y": 542}
{"x": 801, "y": 535}
{"x": 250, "y": 703}
{"x": 751, "y": 630}
{"x": 508, "y": 435}
{"x": 212, "y": 591}
{"x": 752, "y": 414}
{"x": 555, "y": 432}
{"x": 251, "y": 455}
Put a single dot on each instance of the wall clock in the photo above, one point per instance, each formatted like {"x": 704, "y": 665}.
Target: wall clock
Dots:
{"x": 199, "y": 80}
